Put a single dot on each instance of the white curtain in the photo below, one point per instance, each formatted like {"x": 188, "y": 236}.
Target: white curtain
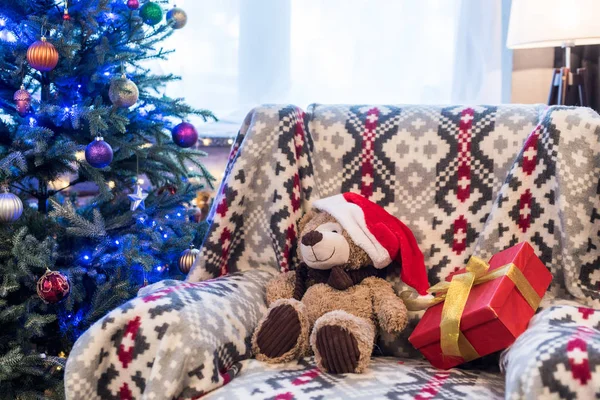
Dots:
{"x": 235, "y": 54}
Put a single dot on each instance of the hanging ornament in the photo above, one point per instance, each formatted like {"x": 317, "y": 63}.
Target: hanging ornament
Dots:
{"x": 184, "y": 135}
{"x": 123, "y": 92}
{"x": 99, "y": 153}
{"x": 42, "y": 55}
{"x": 138, "y": 196}
{"x": 23, "y": 100}
{"x": 66, "y": 15}
{"x": 168, "y": 188}
{"x": 53, "y": 287}
{"x": 133, "y": 4}
{"x": 11, "y": 206}
{"x": 178, "y": 16}
{"x": 151, "y": 13}
{"x": 187, "y": 259}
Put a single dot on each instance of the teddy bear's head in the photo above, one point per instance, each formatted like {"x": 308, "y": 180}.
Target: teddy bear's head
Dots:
{"x": 350, "y": 231}
{"x": 325, "y": 244}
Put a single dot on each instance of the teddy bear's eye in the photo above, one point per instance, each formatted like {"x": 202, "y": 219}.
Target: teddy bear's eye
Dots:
{"x": 334, "y": 231}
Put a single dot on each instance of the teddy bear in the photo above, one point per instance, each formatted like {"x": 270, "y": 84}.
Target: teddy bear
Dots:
{"x": 336, "y": 301}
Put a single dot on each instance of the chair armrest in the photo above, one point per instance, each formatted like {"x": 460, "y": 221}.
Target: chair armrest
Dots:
{"x": 556, "y": 356}
{"x": 176, "y": 341}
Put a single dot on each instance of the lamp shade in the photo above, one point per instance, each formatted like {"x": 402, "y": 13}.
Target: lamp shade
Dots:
{"x": 552, "y": 23}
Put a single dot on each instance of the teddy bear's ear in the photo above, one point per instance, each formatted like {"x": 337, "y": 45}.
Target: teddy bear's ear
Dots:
{"x": 305, "y": 218}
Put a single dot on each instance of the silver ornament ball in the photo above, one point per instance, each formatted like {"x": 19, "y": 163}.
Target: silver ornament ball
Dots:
{"x": 123, "y": 92}
{"x": 11, "y": 207}
{"x": 179, "y": 17}
{"x": 187, "y": 259}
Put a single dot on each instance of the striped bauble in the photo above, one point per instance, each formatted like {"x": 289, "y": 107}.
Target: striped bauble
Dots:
{"x": 42, "y": 55}
{"x": 11, "y": 207}
{"x": 187, "y": 259}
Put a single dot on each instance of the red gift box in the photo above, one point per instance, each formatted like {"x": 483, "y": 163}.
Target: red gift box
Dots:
{"x": 495, "y": 313}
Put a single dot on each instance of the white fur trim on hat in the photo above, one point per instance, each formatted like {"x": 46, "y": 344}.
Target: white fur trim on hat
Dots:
{"x": 352, "y": 219}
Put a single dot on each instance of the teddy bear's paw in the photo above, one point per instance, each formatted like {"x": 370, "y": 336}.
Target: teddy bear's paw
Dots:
{"x": 342, "y": 342}
{"x": 338, "y": 349}
{"x": 283, "y": 334}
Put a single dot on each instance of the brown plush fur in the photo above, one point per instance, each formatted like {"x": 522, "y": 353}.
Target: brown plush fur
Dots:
{"x": 361, "y": 309}
{"x": 362, "y": 329}
{"x": 358, "y": 257}
{"x": 301, "y": 348}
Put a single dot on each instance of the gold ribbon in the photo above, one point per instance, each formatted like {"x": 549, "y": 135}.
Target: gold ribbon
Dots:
{"x": 455, "y": 293}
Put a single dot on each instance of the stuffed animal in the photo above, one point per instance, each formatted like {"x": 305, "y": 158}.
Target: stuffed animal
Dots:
{"x": 335, "y": 302}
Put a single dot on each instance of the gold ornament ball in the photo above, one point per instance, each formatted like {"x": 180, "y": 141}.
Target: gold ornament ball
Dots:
{"x": 42, "y": 55}
{"x": 22, "y": 100}
{"x": 187, "y": 259}
{"x": 11, "y": 207}
{"x": 178, "y": 16}
{"x": 123, "y": 92}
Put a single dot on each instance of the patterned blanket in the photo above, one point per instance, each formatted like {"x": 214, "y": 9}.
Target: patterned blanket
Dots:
{"x": 174, "y": 341}
{"x": 467, "y": 180}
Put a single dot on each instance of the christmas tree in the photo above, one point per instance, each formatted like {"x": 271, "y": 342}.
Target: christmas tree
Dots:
{"x": 97, "y": 171}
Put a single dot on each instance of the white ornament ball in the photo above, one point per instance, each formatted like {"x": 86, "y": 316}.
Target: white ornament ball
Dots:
{"x": 11, "y": 207}
{"x": 187, "y": 259}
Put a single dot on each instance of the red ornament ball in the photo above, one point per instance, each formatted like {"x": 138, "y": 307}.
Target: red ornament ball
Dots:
{"x": 66, "y": 15}
{"x": 22, "y": 100}
{"x": 185, "y": 135}
{"x": 133, "y": 4}
{"x": 168, "y": 188}
{"x": 53, "y": 287}
{"x": 42, "y": 55}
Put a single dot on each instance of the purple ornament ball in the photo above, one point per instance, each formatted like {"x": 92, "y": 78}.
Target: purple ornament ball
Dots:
{"x": 99, "y": 153}
{"x": 185, "y": 135}
{"x": 133, "y": 4}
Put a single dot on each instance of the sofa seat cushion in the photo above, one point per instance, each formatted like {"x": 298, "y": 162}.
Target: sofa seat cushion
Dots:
{"x": 386, "y": 378}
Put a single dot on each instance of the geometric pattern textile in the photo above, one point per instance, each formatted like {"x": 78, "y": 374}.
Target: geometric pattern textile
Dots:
{"x": 176, "y": 341}
{"x": 386, "y": 378}
{"x": 558, "y": 356}
{"x": 465, "y": 179}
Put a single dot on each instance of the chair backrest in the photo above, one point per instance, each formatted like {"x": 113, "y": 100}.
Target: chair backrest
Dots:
{"x": 438, "y": 169}
{"x": 465, "y": 179}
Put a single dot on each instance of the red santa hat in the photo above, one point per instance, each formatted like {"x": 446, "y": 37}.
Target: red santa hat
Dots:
{"x": 381, "y": 235}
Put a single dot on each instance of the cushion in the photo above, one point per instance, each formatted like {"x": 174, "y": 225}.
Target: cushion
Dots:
{"x": 386, "y": 378}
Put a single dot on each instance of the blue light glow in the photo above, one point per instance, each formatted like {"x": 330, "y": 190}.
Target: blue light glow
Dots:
{"x": 32, "y": 122}
{"x": 107, "y": 73}
{"x": 67, "y": 109}
{"x": 165, "y": 235}
{"x": 141, "y": 219}
{"x": 117, "y": 242}
{"x": 166, "y": 216}
{"x": 7, "y": 36}
{"x": 86, "y": 257}
{"x": 179, "y": 214}
{"x": 159, "y": 268}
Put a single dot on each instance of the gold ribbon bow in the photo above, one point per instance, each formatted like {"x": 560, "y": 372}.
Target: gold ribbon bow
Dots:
{"x": 455, "y": 293}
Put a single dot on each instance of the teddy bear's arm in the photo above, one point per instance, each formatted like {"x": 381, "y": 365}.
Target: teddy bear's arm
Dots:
{"x": 389, "y": 308}
{"x": 281, "y": 287}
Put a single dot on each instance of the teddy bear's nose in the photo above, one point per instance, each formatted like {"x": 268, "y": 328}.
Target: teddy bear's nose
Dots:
{"x": 312, "y": 238}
